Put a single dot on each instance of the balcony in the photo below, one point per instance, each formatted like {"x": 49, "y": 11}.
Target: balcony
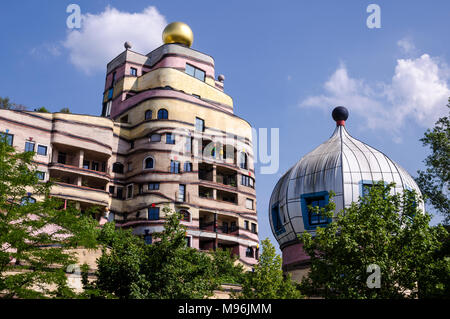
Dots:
{"x": 205, "y": 172}
{"x": 80, "y": 193}
{"x": 228, "y": 197}
{"x": 226, "y": 176}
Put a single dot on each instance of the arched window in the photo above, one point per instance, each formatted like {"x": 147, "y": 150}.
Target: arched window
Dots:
{"x": 185, "y": 215}
{"x": 148, "y": 114}
{"x": 249, "y": 252}
{"x": 117, "y": 168}
{"x": 27, "y": 200}
{"x": 243, "y": 160}
{"x": 163, "y": 114}
{"x": 149, "y": 163}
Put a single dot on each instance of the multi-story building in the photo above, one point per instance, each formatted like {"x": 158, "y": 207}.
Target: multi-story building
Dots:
{"x": 167, "y": 136}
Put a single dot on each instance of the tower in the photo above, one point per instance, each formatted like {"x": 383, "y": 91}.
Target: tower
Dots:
{"x": 180, "y": 144}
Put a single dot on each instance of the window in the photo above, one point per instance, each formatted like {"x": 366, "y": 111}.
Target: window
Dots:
{"x": 249, "y": 252}
{"x": 86, "y": 164}
{"x": 153, "y": 186}
{"x": 130, "y": 191}
{"x": 124, "y": 119}
{"x": 95, "y": 166}
{"x": 111, "y": 189}
{"x": 130, "y": 166}
{"x": 132, "y": 144}
{"x": 153, "y": 213}
{"x": 185, "y": 215}
{"x": 163, "y": 114}
{"x": 311, "y": 219}
{"x": 199, "y": 124}
{"x": 42, "y": 150}
{"x": 61, "y": 157}
{"x": 141, "y": 189}
{"x": 253, "y": 228}
{"x": 188, "y": 241}
{"x": 9, "y": 138}
{"x": 110, "y": 93}
{"x": 113, "y": 78}
{"x": 155, "y": 138}
{"x": 182, "y": 193}
{"x": 27, "y": 200}
{"x": 119, "y": 193}
{"x": 117, "y": 168}
{"x": 148, "y": 238}
{"x": 188, "y": 144}
{"x": 111, "y": 216}
{"x": 148, "y": 163}
{"x": 276, "y": 220}
{"x": 170, "y": 139}
{"x": 133, "y": 71}
{"x": 243, "y": 160}
{"x": 108, "y": 108}
{"x": 246, "y": 224}
{"x": 188, "y": 167}
{"x": 248, "y": 181}
{"x": 29, "y": 146}
{"x": 40, "y": 175}
{"x": 148, "y": 114}
{"x": 249, "y": 203}
{"x": 175, "y": 167}
{"x": 195, "y": 72}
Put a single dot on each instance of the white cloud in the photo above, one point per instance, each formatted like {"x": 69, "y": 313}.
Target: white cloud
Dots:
{"x": 418, "y": 91}
{"x": 46, "y": 49}
{"x": 102, "y": 36}
{"x": 406, "y": 45}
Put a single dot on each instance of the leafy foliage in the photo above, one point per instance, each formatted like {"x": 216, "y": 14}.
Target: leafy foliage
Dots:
{"x": 65, "y": 110}
{"x": 42, "y": 110}
{"x": 35, "y": 235}
{"x": 383, "y": 229}
{"x": 435, "y": 180}
{"x": 267, "y": 281}
{"x": 167, "y": 269}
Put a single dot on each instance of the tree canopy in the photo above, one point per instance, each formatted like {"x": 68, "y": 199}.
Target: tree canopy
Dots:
{"x": 381, "y": 232}
{"x": 268, "y": 281}
{"x": 35, "y": 231}
{"x": 434, "y": 182}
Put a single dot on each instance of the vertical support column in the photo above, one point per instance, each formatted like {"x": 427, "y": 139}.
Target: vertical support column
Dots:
{"x": 216, "y": 241}
{"x": 80, "y": 158}
{"x": 214, "y": 175}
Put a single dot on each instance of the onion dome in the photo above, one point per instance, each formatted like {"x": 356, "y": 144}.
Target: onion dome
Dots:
{"x": 342, "y": 164}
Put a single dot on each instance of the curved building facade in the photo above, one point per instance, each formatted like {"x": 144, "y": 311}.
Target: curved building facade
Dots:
{"x": 167, "y": 135}
{"x": 342, "y": 164}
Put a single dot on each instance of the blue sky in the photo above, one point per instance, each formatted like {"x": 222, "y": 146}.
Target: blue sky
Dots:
{"x": 287, "y": 64}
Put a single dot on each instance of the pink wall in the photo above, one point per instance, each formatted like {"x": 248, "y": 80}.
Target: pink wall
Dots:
{"x": 293, "y": 254}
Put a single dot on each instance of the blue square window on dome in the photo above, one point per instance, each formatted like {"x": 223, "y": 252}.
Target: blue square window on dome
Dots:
{"x": 310, "y": 218}
{"x": 276, "y": 220}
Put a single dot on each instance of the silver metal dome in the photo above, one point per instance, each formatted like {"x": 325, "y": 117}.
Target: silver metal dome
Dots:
{"x": 342, "y": 164}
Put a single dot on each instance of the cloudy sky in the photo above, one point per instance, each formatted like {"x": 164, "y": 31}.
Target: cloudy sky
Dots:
{"x": 287, "y": 64}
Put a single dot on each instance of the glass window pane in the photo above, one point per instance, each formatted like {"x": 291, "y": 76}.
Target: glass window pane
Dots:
{"x": 42, "y": 150}
{"x": 190, "y": 69}
{"x": 199, "y": 74}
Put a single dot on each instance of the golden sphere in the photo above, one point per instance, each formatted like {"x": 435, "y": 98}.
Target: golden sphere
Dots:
{"x": 178, "y": 32}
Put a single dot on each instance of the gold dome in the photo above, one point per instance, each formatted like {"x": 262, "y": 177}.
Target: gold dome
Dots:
{"x": 178, "y": 32}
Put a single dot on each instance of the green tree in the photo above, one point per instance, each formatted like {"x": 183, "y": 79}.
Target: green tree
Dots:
{"x": 166, "y": 269}
{"x": 29, "y": 221}
{"x": 42, "y": 110}
{"x": 65, "y": 110}
{"x": 5, "y": 103}
{"x": 267, "y": 281}
{"x": 435, "y": 180}
{"x": 228, "y": 270}
{"x": 386, "y": 230}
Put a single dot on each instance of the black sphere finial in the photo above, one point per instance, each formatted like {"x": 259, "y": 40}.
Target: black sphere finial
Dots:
{"x": 340, "y": 114}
